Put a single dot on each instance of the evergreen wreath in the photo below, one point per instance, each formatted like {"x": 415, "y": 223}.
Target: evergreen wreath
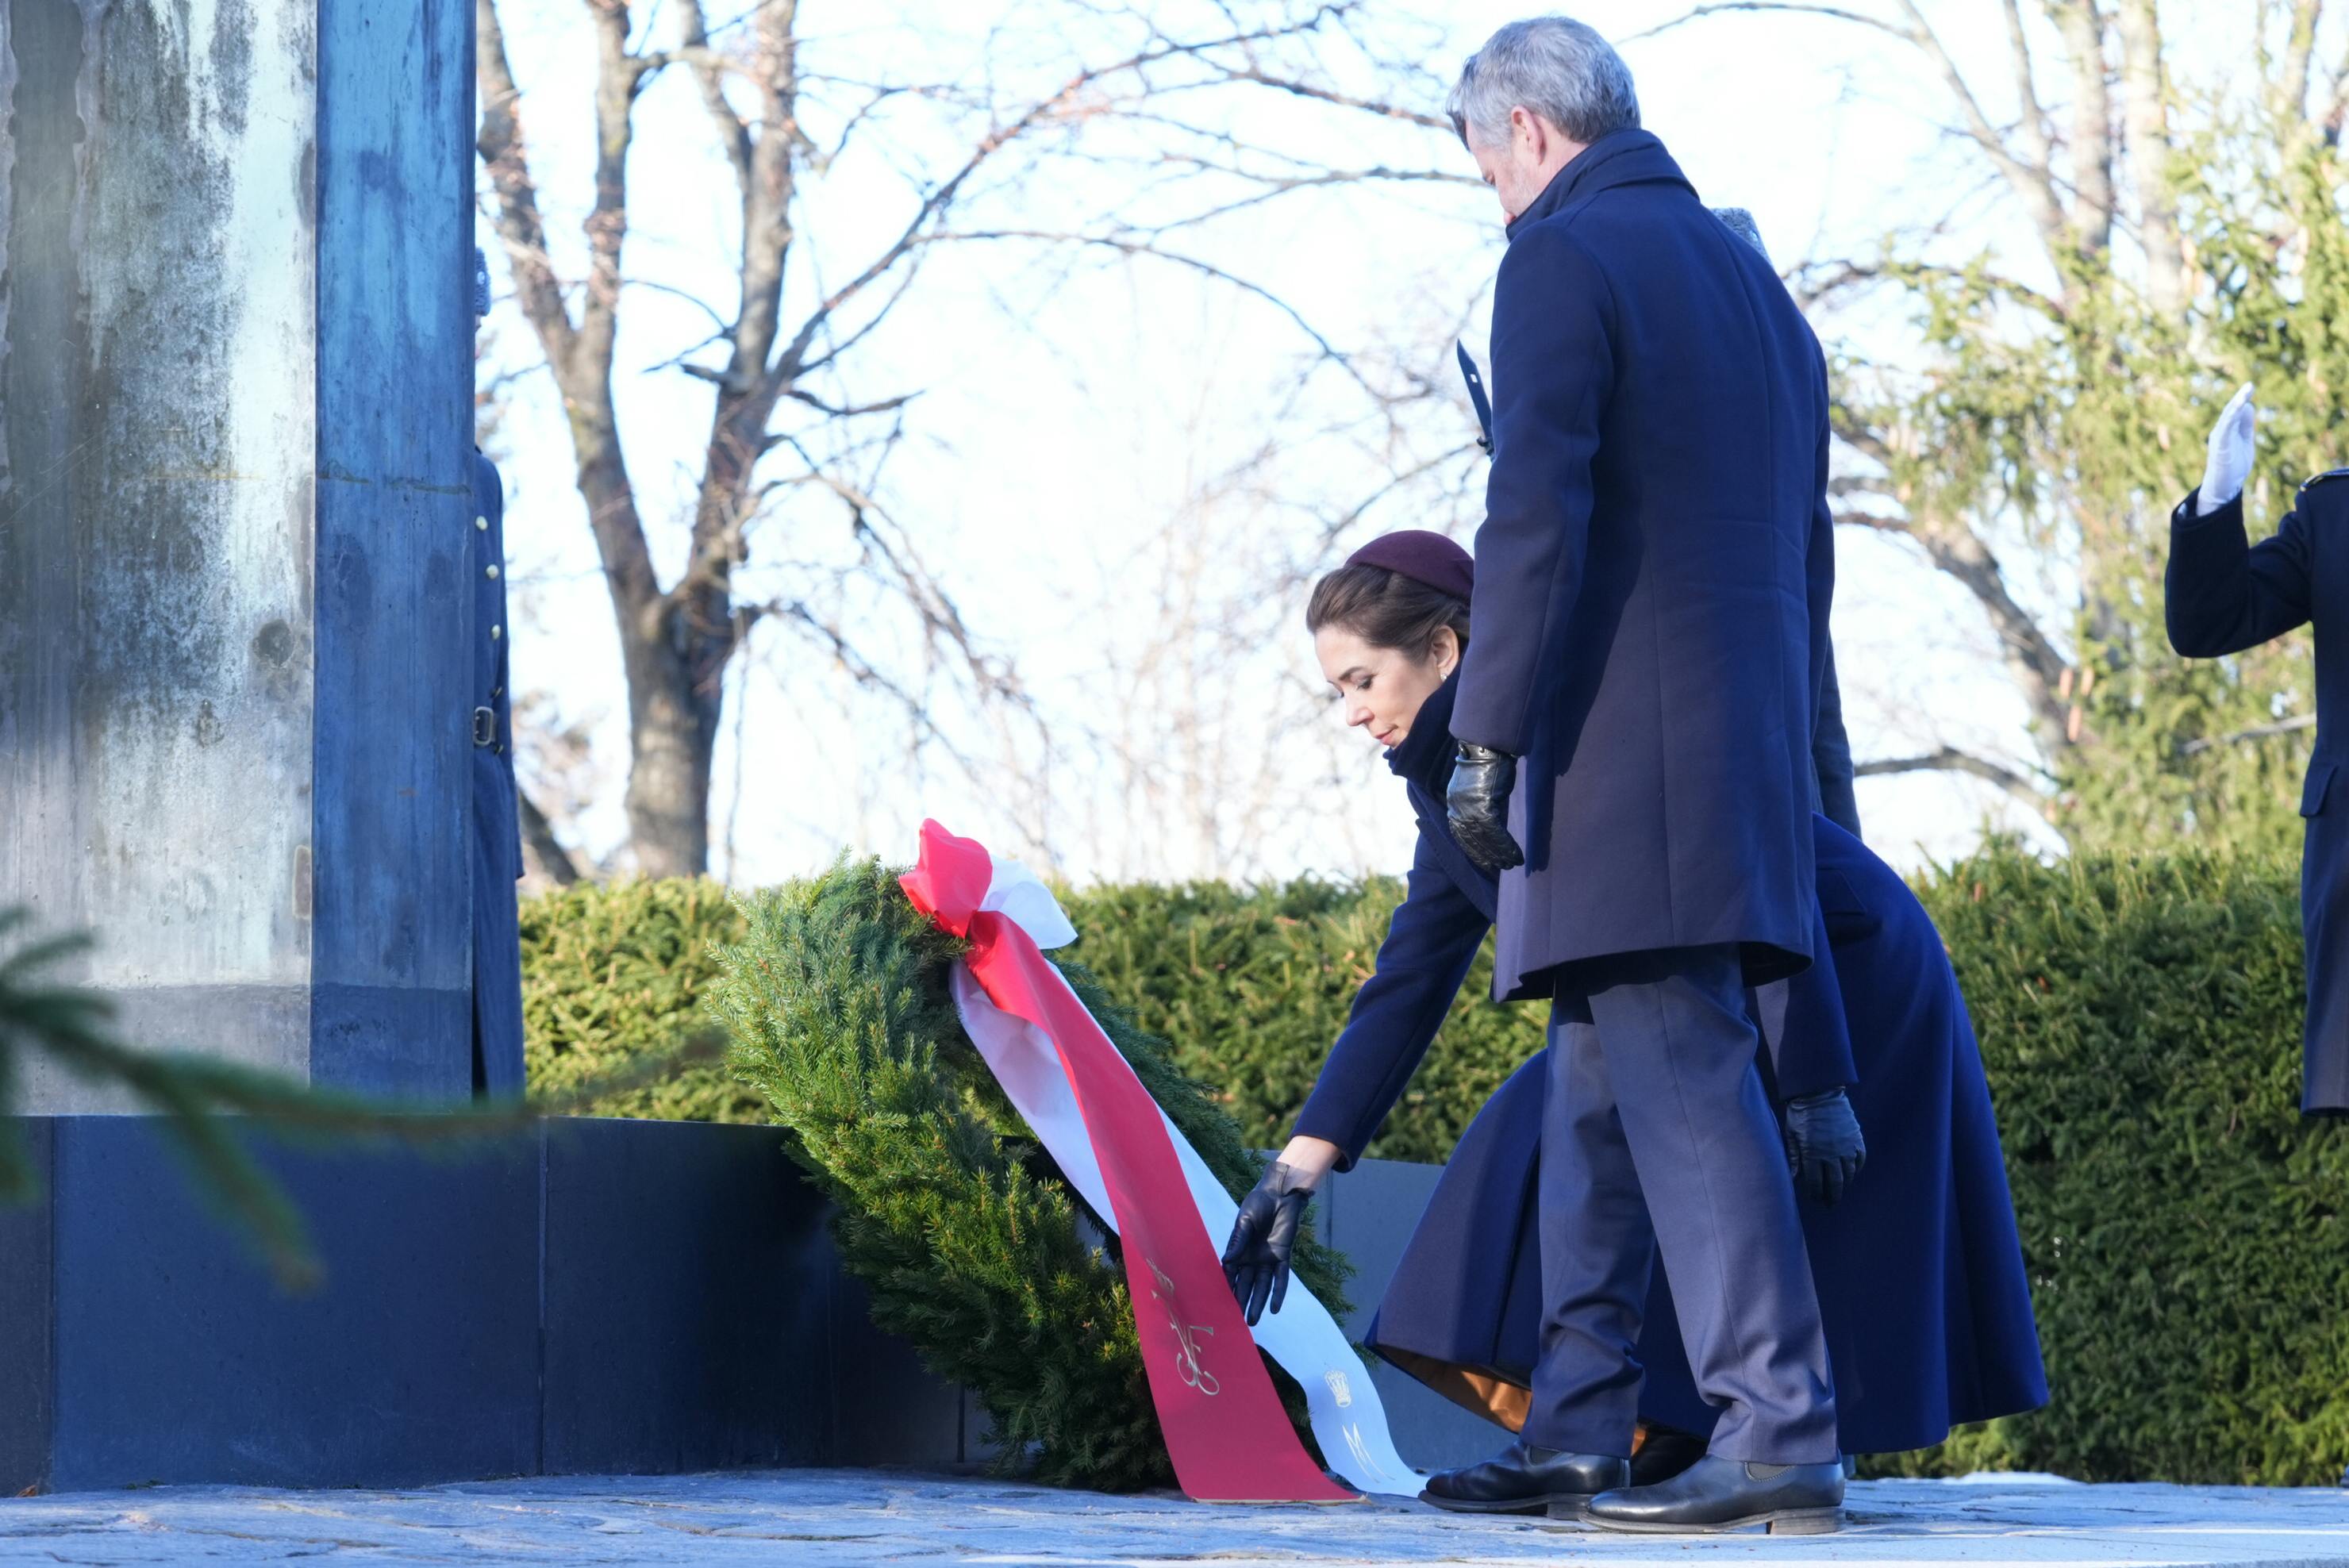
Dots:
{"x": 973, "y": 1245}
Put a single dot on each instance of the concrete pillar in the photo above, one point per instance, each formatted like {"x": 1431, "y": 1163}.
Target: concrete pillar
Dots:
{"x": 235, "y": 408}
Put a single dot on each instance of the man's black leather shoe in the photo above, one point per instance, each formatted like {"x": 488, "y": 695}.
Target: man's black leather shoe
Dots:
{"x": 1716, "y": 1493}
{"x": 1525, "y": 1480}
{"x": 1663, "y": 1452}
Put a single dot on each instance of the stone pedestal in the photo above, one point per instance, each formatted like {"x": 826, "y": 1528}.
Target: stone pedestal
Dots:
{"x": 587, "y": 1296}
{"x": 235, "y": 410}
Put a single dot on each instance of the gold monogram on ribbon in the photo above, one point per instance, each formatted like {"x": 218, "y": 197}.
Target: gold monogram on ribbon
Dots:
{"x": 1186, "y": 1335}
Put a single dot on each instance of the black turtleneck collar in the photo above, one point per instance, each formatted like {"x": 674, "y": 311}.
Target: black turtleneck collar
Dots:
{"x": 1618, "y": 157}
{"x": 1425, "y": 756}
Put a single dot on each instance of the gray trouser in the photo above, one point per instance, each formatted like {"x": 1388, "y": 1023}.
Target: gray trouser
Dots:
{"x": 1656, "y": 1136}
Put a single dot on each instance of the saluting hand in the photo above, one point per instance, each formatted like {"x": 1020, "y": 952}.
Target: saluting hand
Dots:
{"x": 1264, "y": 1237}
{"x": 1823, "y": 1144}
{"x": 1477, "y": 801}
{"x": 2229, "y": 461}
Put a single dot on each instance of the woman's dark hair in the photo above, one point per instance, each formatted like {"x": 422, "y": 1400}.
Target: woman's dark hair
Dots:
{"x": 1386, "y": 610}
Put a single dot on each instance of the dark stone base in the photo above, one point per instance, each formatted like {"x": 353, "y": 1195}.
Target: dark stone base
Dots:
{"x": 589, "y": 1295}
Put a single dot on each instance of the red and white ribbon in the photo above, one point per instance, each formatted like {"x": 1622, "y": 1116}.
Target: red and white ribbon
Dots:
{"x": 1225, "y": 1429}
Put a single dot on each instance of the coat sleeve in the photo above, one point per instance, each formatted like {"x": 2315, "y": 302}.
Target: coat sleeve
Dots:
{"x": 1803, "y": 1025}
{"x": 2223, "y": 594}
{"x": 1553, "y": 374}
{"x": 1831, "y": 756}
{"x": 1428, "y": 946}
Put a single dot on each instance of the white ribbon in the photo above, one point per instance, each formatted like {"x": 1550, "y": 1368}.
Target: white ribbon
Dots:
{"x": 1348, "y": 1419}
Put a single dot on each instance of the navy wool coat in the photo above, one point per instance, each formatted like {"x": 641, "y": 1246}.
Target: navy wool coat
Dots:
{"x": 1649, "y": 626}
{"x": 2224, "y": 596}
{"x": 1920, "y": 1273}
{"x": 496, "y": 817}
{"x": 1447, "y": 909}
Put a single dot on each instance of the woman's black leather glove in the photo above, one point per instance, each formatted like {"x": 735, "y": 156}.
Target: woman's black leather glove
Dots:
{"x": 1823, "y": 1143}
{"x": 1256, "y": 1260}
{"x": 1477, "y": 801}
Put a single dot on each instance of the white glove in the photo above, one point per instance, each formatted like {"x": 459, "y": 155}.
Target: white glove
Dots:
{"x": 2230, "y": 454}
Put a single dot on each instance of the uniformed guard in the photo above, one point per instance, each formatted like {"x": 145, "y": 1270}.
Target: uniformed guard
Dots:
{"x": 2224, "y": 596}
{"x": 496, "y": 827}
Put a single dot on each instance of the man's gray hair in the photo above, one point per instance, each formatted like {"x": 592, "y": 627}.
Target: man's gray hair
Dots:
{"x": 1555, "y": 65}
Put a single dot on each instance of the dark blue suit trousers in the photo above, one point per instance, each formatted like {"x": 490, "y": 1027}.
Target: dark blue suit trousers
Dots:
{"x": 1657, "y": 1137}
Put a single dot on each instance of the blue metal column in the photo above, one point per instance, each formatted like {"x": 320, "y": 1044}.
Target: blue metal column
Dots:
{"x": 390, "y": 975}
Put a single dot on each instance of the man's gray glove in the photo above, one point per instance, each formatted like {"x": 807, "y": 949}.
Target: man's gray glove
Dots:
{"x": 1256, "y": 1260}
{"x": 2230, "y": 462}
{"x": 1823, "y": 1143}
{"x": 1477, "y": 801}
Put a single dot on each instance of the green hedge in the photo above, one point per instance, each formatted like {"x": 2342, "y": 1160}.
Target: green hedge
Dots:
{"x": 2139, "y": 1022}
{"x": 612, "y": 973}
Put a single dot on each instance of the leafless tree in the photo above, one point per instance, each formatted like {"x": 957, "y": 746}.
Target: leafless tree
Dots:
{"x": 1141, "y": 91}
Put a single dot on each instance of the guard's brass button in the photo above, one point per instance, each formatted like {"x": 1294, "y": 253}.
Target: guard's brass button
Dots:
{"x": 483, "y": 523}
{"x": 490, "y": 570}
{"x": 496, "y": 632}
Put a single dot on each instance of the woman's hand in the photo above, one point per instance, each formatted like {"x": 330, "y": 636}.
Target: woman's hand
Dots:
{"x": 1311, "y": 1158}
{"x": 1264, "y": 1237}
{"x": 1824, "y": 1147}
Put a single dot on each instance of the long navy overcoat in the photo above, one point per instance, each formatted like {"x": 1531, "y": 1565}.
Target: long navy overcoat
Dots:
{"x": 1649, "y": 630}
{"x": 2225, "y": 595}
{"x": 496, "y": 816}
{"x": 1920, "y": 1274}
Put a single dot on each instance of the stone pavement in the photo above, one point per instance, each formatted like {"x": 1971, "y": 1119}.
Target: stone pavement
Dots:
{"x": 826, "y": 1517}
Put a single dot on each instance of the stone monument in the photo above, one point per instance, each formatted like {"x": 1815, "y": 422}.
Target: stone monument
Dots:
{"x": 235, "y": 361}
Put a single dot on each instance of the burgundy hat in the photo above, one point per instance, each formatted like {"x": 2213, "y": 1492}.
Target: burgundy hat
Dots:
{"x": 1423, "y": 557}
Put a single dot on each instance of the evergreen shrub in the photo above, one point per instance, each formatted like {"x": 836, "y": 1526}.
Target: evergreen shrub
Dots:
{"x": 2140, "y": 1024}
{"x": 611, "y": 974}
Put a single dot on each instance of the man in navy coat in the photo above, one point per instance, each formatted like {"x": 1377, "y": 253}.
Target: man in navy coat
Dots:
{"x": 2225, "y": 595}
{"x": 1635, "y": 718}
{"x": 495, "y": 815}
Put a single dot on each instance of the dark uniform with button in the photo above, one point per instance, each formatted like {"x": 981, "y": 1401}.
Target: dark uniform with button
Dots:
{"x": 496, "y": 818}
{"x": 2225, "y": 594}
{"x": 497, "y": 829}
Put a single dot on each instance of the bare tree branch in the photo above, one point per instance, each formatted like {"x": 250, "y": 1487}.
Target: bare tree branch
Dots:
{"x": 2144, "y": 94}
{"x": 733, "y": 135}
{"x": 2299, "y": 55}
{"x": 1798, "y": 7}
{"x": 2032, "y": 180}
{"x": 543, "y": 856}
{"x": 1950, "y": 760}
{"x": 2035, "y": 184}
{"x": 2081, "y": 26}
{"x": 1384, "y": 110}
{"x": 1126, "y": 246}
{"x": 507, "y": 158}
{"x": 2038, "y": 150}
{"x": 2257, "y": 732}
{"x": 1954, "y": 548}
